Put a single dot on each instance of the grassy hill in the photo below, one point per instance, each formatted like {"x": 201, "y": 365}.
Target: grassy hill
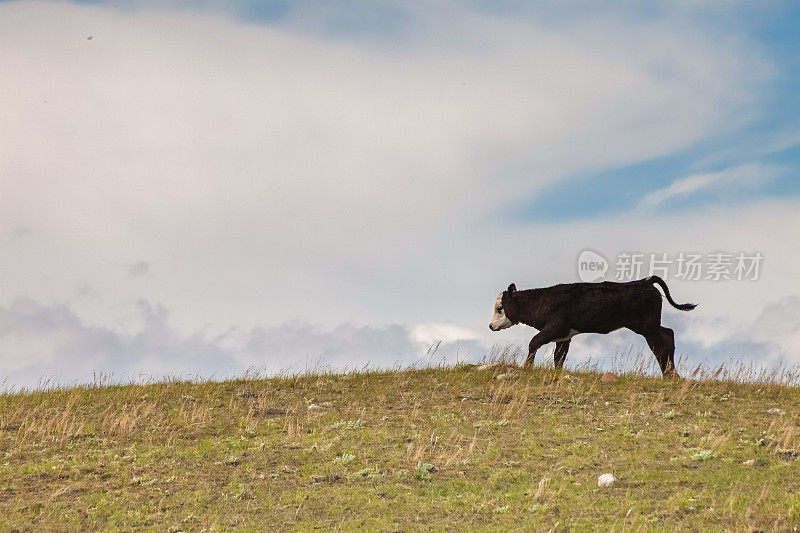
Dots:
{"x": 459, "y": 448}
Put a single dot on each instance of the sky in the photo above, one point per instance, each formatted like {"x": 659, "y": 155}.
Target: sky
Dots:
{"x": 194, "y": 189}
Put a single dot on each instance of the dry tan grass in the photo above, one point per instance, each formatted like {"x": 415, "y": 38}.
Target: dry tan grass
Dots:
{"x": 465, "y": 447}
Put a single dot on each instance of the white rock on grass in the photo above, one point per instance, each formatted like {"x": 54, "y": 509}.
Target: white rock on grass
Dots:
{"x": 776, "y": 411}
{"x": 606, "y": 480}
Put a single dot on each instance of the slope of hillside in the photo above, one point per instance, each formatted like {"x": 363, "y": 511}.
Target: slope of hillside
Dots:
{"x": 453, "y": 448}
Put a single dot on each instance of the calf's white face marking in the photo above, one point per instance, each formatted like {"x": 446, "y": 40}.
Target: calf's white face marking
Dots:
{"x": 499, "y": 318}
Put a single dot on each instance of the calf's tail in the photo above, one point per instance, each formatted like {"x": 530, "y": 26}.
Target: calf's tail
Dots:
{"x": 660, "y": 282}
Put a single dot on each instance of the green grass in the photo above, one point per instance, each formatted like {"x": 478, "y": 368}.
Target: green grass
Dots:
{"x": 442, "y": 448}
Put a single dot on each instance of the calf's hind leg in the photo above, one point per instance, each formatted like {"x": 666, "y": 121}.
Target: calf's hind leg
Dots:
{"x": 669, "y": 346}
{"x": 663, "y": 346}
{"x": 560, "y": 354}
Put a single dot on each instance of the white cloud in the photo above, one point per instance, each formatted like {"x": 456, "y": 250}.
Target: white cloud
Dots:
{"x": 779, "y": 325}
{"x": 783, "y": 140}
{"x": 50, "y": 344}
{"x": 268, "y": 174}
{"x": 138, "y": 269}
{"x": 433, "y": 332}
{"x": 727, "y": 181}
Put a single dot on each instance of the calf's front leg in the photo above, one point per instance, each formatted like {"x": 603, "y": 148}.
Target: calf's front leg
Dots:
{"x": 560, "y": 353}
{"x": 551, "y": 332}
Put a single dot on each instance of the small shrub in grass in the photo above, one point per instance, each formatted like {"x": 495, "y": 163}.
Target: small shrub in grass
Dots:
{"x": 348, "y": 424}
{"x": 423, "y": 471}
{"x": 703, "y": 455}
{"x": 346, "y": 458}
{"x": 369, "y": 472}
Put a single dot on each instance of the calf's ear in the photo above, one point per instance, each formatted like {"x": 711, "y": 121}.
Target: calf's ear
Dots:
{"x": 511, "y": 290}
